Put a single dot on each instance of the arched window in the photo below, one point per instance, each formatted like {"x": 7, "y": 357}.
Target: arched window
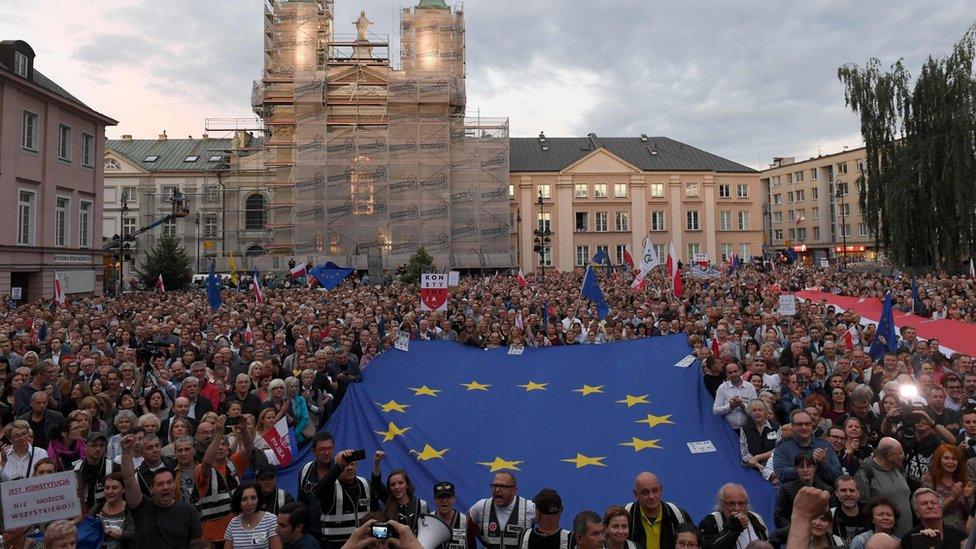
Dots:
{"x": 112, "y": 165}
{"x": 255, "y": 212}
{"x": 254, "y": 251}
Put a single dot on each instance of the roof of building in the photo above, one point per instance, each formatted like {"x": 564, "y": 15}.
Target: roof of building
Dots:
{"x": 433, "y": 4}
{"x": 172, "y": 154}
{"x": 527, "y": 154}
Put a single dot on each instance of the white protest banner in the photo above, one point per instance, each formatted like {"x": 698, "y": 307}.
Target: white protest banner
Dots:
{"x": 787, "y": 305}
{"x": 40, "y": 499}
{"x": 402, "y": 341}
{"x": 453, "y": 278}
{"x": 433, "y": 292}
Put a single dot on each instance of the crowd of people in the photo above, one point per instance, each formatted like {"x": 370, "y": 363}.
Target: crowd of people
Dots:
{"x": 159, "y": 405}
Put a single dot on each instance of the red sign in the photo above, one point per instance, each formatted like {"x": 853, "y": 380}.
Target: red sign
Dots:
{"x": 851, "y": 248}
{"x": 433, "y": 292}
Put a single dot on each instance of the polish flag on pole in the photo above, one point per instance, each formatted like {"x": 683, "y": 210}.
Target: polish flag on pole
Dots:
{"x": 519, "y": 323}
{"x": 256, "y": 288}
{"x": 851, "y": 338}
{"x": 520, "y": 278}
{"x": 639, "y": 282}
{"x": 160, "y": 287}
{"x": 673, "y": 271}
{"x": 248, "y": 334}
{"x": 58, "y": 291}
{"x": 282, "y": 444}
{"x": 972, "y": 269}
{"x": 298, "y": 271}
{"x": 628, "y": 258}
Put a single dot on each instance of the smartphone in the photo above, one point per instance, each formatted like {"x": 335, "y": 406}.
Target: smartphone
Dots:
{"x": 232, "y": 421}
{"x": 919, "y": 541}
{"x": 358, "y": 455}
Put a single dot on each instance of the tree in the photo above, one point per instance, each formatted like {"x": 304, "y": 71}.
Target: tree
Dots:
{"x": 420, "y": 262}
{"x": 916, "y": 189}
{"x": 169, "y": 258}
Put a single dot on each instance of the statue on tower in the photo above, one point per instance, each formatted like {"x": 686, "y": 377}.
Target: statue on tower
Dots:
{"x": 362, "y": 25}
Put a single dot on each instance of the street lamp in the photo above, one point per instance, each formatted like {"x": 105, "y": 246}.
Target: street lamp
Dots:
{"x": 122, "y": 235}
{"x": 767, "y": 224}
{"x": 196, "y": 221}
{"x": 543, "y": 242}
{"x": 518, "y": 238}
{"x": 843, "y": 221}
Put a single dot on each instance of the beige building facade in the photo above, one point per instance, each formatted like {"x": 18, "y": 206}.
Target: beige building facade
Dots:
{"x": 813, "y": 208}
{"x": 610, "y": 193}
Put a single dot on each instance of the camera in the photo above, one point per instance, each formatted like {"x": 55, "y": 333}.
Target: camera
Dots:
{"x": 382, "y": 530}
{"x": 357, "y": 455}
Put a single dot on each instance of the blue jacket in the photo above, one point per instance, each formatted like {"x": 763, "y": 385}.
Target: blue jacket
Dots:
{"x": 786, "y": 452}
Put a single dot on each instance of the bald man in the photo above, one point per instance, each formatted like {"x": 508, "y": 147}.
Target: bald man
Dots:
{"x": 882, "y": 541}
{"x": 882, "y": 475}
{"x": 654, "y": 521}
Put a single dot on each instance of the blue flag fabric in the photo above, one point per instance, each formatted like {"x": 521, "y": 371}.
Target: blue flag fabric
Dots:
{"x": 886, "y": 329}
{"x": 584, "y": 420}
{"x": 591, "y": 290}
{"x": 213, "y": 288}
{"x": 330, "y": 275}
{"x": 916, "y": 302}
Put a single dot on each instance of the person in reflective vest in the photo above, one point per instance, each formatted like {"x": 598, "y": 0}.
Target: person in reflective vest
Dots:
{"x": 93, "y": 469}
{"x": 345, "y": 499}
{"x": 323, "y": 446}
{"x": 546, "y": 534}
{"x": 399, "y": 502}
{"x": 216, "y": 477}
{"x": 499, "y": 520}
{"x": 654, "y": 522}
{"x": 457, "y": 521}
{"x": 270, "y": 497}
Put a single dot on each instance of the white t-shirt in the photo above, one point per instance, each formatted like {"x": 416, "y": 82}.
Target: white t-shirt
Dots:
{"x": 19, "y": 467}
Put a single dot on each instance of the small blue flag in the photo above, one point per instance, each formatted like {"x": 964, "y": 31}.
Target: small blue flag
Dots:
{"x": 733, "y": 264}
{"x": 213, "y": 288}
{"x": 330, "y": 275}
{"x": 886, "y": 329}
{"x": 916, "y": 302}
{"x": 591, "y": 290}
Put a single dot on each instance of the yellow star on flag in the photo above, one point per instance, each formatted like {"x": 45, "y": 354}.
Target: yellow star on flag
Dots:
{"x": 651, "y": 420}
{"x": 393, "y": 406}
{"x": 589, "y": 389}
{"x": 500, "y": 464}
{"x": 429, "y": 453}
{"x": 533, "y": 386}
{"x": 475, "y": 386}
{"x": 582, "y": 461}
{"x": 424, "y": 390}
{"x": 639, "y": 444}
{"x": 632, "y": 400}
{"x": 392, "y": 431}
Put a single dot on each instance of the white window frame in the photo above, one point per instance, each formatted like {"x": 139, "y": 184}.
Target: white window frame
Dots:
{"x": 581, "y": 190}
{"x": 726, "y": 251}
{"x": 659, "y": 226}
{"x": 619, "y": 249}
{"x": 21, "y": 64}
{"x": 545, "y": 260}
{"x": 814, "y": 193}
{"x": 169, "y": 228}
{"x": 582, "y": 255}
{"x": 724, "y": 190}
{"x": 597, "y": 225}
{"x": 87, "y": 150}
{"x": 743, "y": 219}
{"x": 692, "y": 220}
{"x": 30, "y": 223}
{"x": 816, "y": 233}
{"x": 621, "y": 221}
{"x": 600, "y": 190}
{"x": 62, "y": 222}
{"x": 778, "y": 234}
{"x": 815, "y": 213}
{"x": 693, "y": 249}
{"x": 620, "y": 190}
{"x": 745, "y": 252}
{"x": 813, "y": 174}
{"x": 742, "y": 190}
{"x": 85, "y": 210}
{"x": 777, "y": 199}
{"x": 511, "y": 190}
{"x": 657, "y": 190}
{"x": 211, "y": 222}
{"x": 661, "y": 252}
{"x": 64, "y": 142}
{"x": 586, "y": 222}
{"x": 545, "y": 191}
{"x": 29, "y": 131}
{"x": 777, "y": 217}
{"x": 862, "y": 229}
{"x": 544, "y": 221}
{"x": 128, "y": 226}
{"x": 211, "y": 193}
{"x": 725, "y": 221}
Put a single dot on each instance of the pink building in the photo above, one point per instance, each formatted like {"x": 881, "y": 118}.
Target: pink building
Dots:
{"x": 51, "y": 173}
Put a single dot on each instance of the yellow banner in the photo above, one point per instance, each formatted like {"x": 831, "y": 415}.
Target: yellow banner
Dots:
{"x": 233, "y": 270}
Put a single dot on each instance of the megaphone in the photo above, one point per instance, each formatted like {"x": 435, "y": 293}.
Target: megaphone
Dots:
{"x": 432, "y": 531}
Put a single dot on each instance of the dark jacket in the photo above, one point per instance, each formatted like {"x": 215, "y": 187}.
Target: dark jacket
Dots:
{"x": 784, "y": 500}
{"x": 951, "y": 537}
{"x": 725, "y": 537}
{"x": 669, "y": 523}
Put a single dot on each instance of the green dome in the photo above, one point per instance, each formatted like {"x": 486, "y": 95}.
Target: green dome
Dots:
{"x": 433, "y": 4}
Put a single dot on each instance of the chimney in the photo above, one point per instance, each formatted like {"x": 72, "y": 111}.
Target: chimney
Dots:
{"x": 162, "y": 136}
{"x": 127, "y": 137}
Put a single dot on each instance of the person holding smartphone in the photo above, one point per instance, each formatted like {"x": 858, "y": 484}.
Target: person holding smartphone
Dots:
{"x": 931, "y": 533}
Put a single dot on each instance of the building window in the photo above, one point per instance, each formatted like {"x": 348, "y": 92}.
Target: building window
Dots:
{"x": 169, "y": 228}
{"x": 814, "y": 193}
{"x": 691, "y": 220}
{"x": 545, "y": 221}
{"x": 545, "y": 191}
{"x": 774, "y": 181}
{"x": 778, "y": 234}
{"x": 112, "y": 165}
{"x": 662, "y": 254}
{"x": 84, "y": 224}
{"x": 211, "y": 194}
{"x": 87, "y": 150}
{"x": 511, "y": 190}
{"x": 845, "y": 209}
{"x": 777, "y": 217}
{"x": 789, "y": 197}
{"x": 842, "y": 168}
{"x": 620, "y": 190}
{"x": 128, "y": 226}
{"x": 545, "y": 260}
{"x": 816, "y": 233}
{"x": 777, "y": 199}
{"x": 801, "y": 233}
{"x": 255, "y": 212}
{"x": 657, "y": 221}
{"x": 846, "y": 230}
{"x": 620, "y": 248}
{"x": 622, "y": 221}
{"x": 862, "y": 229}
{"x": 726, "y": 252}
{"x": 693, "y": 250}
{"x": 791, "y": 215}
{"x": 745, "y": 252}
{"x": 657, "y": 190}
{"x": 21, "y": 64}
{"x": 582, "y": 256}
{"x": 798, "y": 177}
{"x": 582, "y": 222}
{"x": 210, "y": 226}
{"x": 25, "y": 217}
{"x": 599, "y": 190}
{"x": 691, "y": 189}
{"x": 28, "y": 134}
{"x": 725, "y": 191}
{"x": 792, "y": 233}
{"x": 743, "y": 221}
{"x": 192, "y": 158}
{"x": 128, "y": 193}
{"x": 601, "y": 221}
{"x": 801, "y": 195}
{"x": 581, "y": 190}
{"x": 742, "y": 191}
{"x": 813, "y": 173}
{"x": 725, "y": 221}
{"x": 64, "y": 142}
{"x": 62, "y": 207}
{"x": 815, "y": 213}
{"x": 789, "y": 179}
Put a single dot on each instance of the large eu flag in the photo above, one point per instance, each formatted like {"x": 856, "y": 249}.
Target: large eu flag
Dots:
{"x": 583, "y": 420}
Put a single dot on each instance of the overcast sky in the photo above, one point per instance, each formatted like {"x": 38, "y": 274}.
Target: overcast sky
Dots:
{"x": 747, "y": 80}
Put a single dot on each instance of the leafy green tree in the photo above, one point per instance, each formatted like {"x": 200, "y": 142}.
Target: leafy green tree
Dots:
{"x": 916, "y": 189}
{"x": 169, "y": 258}
{"x": 420, "y": 262}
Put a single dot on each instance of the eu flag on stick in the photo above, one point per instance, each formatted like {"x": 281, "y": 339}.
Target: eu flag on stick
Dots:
{"x": 213, "y": 288}
{"x": 591, "y": 290}
{"x": 330, "y": 275}
{"x": 886, "y": 329}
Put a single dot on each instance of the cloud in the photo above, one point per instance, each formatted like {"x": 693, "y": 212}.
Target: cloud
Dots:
{"x": 110, "y": 50}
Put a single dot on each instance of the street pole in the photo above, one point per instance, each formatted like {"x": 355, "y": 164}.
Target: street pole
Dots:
{"x": 196, "y": 220}
{"x": 125, "y": 210}
{"x": 843, "y": 223}
{"x": 542, "y": 238}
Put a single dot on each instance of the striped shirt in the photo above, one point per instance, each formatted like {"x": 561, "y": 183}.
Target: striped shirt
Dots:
{"x": 258, "y": 537}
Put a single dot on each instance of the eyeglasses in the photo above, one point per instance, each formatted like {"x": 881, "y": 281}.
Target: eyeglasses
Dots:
{"x": 502, "y": 486}
{"x": 682, "y": 543}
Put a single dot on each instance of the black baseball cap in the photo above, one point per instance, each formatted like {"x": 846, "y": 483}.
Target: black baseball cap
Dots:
{"x": 443, "y": 489}
{"x": 265, "y": 470}
{"x": 92, "y": 436}
{"x": 548, "y": 502}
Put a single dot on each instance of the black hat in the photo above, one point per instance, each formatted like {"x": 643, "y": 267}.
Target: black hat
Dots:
{"x": 443, "y": 489}
{"x": 266, "y": 470}
{"x": 548, "y": 502}
{"x": 92, "y": 436}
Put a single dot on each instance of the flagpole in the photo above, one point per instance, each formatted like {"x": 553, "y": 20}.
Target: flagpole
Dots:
{"x": 580, "y": 296}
